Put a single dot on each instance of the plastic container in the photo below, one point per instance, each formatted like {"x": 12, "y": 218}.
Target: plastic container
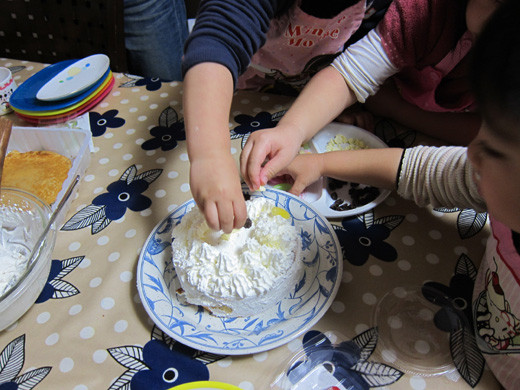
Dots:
{"x": 23, "y": 222}
{"x": 407, "y": 331}
{"x": 74, "y": 144}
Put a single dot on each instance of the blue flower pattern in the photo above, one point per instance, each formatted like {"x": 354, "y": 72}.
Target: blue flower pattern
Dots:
{"x": 56, "y": 287}
{"x": 455, "y": 316}
{"x": 166, "y": 368}
{"x": 365, "y": 237}
{"x": 99, "y": 123}
{"x": 165, "y": 137}
{"x": 121, "y": 196}
{"x": 126, "y": 193}
{"x": 151, "y": 83}
{"x": 454, "y": 301}
{"x": 161, "y": 364}
{"x": 248, "y": 124}
{"x": 169, "y": 131}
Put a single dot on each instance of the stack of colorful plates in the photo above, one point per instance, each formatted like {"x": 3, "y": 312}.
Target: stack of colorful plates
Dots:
{"x": 64, "y": 90}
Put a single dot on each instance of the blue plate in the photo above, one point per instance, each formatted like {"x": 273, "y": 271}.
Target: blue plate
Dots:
{"x": 191, "y": 325}
{"x": 24, "y": 98}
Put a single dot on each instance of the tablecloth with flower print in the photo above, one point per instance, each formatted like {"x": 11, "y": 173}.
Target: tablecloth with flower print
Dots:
{"x": 88, "y": 329}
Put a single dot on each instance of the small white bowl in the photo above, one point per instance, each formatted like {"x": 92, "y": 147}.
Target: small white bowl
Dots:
{"x": 23, "y": 221}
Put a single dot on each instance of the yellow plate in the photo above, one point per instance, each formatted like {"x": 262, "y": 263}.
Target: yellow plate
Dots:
{"x": 70, "y": 108}
{"x": 205, "y": 385}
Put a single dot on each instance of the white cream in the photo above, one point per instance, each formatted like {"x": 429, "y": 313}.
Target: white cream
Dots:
{"x": 13, "y": 258}
{"x": 241, "y": 273}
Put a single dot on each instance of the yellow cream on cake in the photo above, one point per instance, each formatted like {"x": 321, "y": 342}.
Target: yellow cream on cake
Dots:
{"x": 241, "y": 273}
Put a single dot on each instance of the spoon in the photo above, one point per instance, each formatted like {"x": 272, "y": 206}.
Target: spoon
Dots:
{"x": 5, "y": 133}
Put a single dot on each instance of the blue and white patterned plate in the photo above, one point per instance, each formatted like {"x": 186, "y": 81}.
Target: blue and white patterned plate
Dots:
{"x": 194, "y": 326}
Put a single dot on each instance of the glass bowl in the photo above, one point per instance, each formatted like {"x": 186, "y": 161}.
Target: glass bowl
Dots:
{"x": 26, "y": 246}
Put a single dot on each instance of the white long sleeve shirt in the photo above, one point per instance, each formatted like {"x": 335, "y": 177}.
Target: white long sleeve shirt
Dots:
{"x": 444, "y": 177}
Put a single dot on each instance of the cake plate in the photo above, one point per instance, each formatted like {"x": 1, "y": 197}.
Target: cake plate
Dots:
{"x": 194, "y": 326}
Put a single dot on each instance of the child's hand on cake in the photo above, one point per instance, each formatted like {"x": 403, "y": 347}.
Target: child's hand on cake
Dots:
{"x": 217, "y": 192}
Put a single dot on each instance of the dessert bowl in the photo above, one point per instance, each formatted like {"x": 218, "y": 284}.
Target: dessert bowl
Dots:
{"x": 26, "y": 246}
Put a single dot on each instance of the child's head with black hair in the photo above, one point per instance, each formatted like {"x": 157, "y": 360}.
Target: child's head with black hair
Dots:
{"x": 495, "y": 71}
{"x": 495, "y": 152}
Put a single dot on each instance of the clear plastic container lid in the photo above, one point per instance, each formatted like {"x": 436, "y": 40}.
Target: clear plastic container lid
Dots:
{"x": 408, "y": 338}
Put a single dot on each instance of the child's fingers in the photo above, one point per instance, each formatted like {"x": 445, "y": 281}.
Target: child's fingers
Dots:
{"x": 251, "y": 159}
{"x": 274, "y": 166}
{"x": 298, "y": 187}
{"x": 210, "y": 212}
{"x": 225, "y": 216}
{"x": 244, "y": 155}
{"x": 240, "y": 213}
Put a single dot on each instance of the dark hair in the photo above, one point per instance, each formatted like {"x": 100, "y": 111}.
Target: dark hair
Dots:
{"x": 321, "y": 9}
{"x": 495, "y": 70}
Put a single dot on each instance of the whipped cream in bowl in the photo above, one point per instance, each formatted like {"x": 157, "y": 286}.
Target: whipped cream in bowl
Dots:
{"x": 24, "y": 263}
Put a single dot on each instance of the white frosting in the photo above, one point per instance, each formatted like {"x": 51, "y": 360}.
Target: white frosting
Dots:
{"x": 14, "y": 256}
{"x": 240, "y": 273}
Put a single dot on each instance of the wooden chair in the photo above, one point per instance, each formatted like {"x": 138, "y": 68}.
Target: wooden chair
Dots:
{"x": 50, "y": 31}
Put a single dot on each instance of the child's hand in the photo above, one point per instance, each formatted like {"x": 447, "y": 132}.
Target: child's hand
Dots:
{"x": 215, "y": 185}
{"x": 305, "y": 169}
{"x": 266, "y": 153}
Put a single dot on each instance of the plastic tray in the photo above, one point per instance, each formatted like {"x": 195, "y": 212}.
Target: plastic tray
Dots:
{"x": 74, "y": 144}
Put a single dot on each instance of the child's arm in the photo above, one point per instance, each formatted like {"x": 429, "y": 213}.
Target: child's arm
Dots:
{"x": 214, "y": 178}
{"x": 325, "y": 96}
{"x": 437, "y": 176}
{"x": 353, "y": 76}
{"x": 226, "y": 35}
{"x": 375, "y": 167}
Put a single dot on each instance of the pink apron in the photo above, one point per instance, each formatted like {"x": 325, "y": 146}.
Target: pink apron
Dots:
{"x": 298, "y": 45}
{"x": 421, "y": 84}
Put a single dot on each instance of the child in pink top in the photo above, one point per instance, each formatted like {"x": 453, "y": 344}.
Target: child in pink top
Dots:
{"x": 298, "y": 45}
{"x": 420, "y": 46}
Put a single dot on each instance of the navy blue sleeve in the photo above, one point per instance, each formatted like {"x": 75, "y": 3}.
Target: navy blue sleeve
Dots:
{"x": 229, "y": 32}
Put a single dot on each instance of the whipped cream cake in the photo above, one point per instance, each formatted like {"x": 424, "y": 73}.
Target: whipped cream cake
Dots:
{"x": 242, "y": 273}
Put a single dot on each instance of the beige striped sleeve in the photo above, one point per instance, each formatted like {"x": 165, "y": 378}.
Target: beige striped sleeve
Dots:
{"x": 439, "y": 176}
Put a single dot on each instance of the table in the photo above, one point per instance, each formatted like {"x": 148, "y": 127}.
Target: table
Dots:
{"x": 98, "y": 336}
